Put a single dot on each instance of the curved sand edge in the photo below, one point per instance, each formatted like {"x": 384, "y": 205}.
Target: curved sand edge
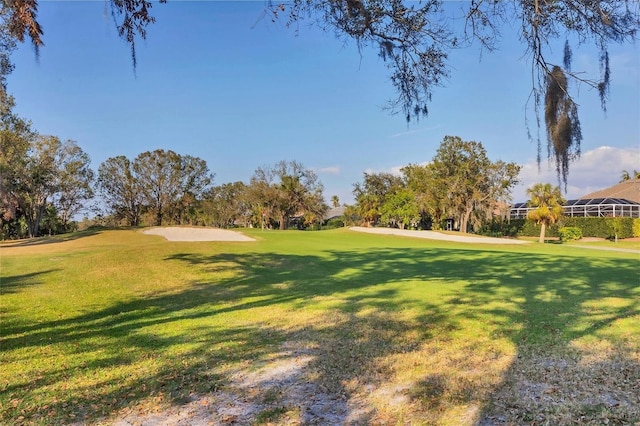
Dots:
{"x": 433, "y": 235}
{"x": 179, "y": 233}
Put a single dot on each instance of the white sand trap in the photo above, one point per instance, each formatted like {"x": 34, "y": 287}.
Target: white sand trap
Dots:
{"x": 433, "y": 235}
{"x": 179, "y": 233}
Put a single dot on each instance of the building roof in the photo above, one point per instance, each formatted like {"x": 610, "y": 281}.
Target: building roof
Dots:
{"x": 334, "y": 212}
{"x": 628, "y": 189}
{"x": 586, "y": 202}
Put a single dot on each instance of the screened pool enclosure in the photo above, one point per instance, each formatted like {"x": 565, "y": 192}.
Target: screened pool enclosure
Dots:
{"x": 588, "y": 207}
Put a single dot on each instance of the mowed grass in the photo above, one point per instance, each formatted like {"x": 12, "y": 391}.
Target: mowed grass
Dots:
{"x": 630, "y": 244}
{"x": 95, "y": 326}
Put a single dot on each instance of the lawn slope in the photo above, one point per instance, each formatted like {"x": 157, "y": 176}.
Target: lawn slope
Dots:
{"x": 329, "y": 327}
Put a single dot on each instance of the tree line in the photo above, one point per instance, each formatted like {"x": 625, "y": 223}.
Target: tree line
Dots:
{"x": 46, "y": 182}
{"x": 165, "y": 188}
{"x": 461, "y": 184}
{"x": 43, "y": 181}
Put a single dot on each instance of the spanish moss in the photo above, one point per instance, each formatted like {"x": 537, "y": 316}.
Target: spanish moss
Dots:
{"x": 563, "y": 124}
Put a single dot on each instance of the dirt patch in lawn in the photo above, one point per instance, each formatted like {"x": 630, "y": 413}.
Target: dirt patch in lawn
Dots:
{"x": 599, "y": 388}
{"x": 280, "y": 390}
{"x": 595, "y": 387}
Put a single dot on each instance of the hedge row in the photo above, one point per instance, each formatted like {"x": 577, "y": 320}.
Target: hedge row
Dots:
{"x": 601, "y": 227}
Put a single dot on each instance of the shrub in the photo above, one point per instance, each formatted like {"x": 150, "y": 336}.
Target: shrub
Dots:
{"x": 601, "y": 227}
{"x": 334, "y": 223}
{"x": 569, "y": 233}
{"x": 528, "y": 228}
{"x": 502, "y": 228}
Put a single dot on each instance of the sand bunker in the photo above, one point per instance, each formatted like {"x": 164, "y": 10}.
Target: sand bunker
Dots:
{"x": 176, "y": 233}
{"x": 433, "y": 235}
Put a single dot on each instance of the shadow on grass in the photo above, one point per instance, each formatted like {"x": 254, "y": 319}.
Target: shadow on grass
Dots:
{"x": 549, "y": 298}
{"x": 39, "y": 241}
{"x": 16, "y": 283}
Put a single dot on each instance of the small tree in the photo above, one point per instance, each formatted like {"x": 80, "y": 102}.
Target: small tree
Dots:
{"x": 615, "y": 226}
{"x": 548, "y": 202}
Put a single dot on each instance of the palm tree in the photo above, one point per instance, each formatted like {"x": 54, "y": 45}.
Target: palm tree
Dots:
{"x": 627, "y": 176}
{"x": 548, "y": 202}
{"x": 368, "y": 206}
{"x": 335, "y": 201}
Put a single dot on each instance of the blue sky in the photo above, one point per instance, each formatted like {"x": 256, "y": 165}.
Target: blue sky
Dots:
{"x": 216, "y": 81}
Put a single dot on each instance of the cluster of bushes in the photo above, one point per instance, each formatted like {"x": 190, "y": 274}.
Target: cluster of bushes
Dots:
{"x": 570, "y": 233}
{"x": 600, "y": 227}
{"x": 336, "y": 222}
{"x": 17, "y": 227}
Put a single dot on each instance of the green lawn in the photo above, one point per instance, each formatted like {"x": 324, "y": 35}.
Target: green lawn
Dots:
{"x": 621, "y": 244}
{"x": 99, "y": 325}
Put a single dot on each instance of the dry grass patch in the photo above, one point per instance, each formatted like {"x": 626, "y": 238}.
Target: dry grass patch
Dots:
{"x": 570, "y": 388}
{"x": 316, "y": 328}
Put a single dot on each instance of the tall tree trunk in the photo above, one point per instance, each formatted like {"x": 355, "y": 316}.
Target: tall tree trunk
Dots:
{"x": 33, "y": 221}
{"x": 464, "y": 220}
{"x": 542, "y": 229}
{"x": 32, "y": 226}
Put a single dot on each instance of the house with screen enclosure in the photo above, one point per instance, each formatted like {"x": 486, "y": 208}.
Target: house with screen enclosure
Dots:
{"x": 620, "y": 200}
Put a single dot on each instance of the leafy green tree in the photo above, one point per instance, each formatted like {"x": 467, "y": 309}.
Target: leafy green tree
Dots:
{"x": 548, "y": 202}
{"x": 401, "y": 209}
{"x": 315, "y": 210}
{"x": 368, "y": 208}
{"x": 75, "y": 182}
{"x": 120, "y": 189}
{"x": 196, "y": 179}
{"x": 414, "y": 40}
{"x": 352, "y": 216}
{"x": 225, "y": 204}
{"x": 36, "y": 171}
{"x": 430, "y": 197}
{"x": 335, "y": 201}
{"x": 165, "y": 178}
{"x": 615, "y": 227}
{"x": 263, "y": 196}
{"x": 16, "y": 138}
{"x": 50, "y": 223}
{"x": 372, "y": 194}
{"x": 470, "y": 181}
{"x": 39, "y": 182}
{"x": 300, "y": 193}
{"x": 159, "y": 180}
{"x": 379, "y": 184}
{"x": 285, "y": 190}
